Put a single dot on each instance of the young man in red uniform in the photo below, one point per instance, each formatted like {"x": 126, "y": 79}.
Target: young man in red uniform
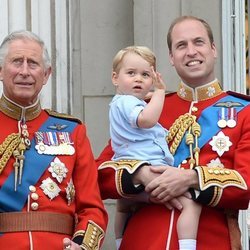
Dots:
{"x": 49, "y": 195}
{"x": 209, "y": 135}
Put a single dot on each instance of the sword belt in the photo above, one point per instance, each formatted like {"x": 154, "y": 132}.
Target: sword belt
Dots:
{"x": 36, "y": 221}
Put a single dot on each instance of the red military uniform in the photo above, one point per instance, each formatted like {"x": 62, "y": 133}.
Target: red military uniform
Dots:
{"x": 56, "y": 194}
{"x": 223, "y": 170}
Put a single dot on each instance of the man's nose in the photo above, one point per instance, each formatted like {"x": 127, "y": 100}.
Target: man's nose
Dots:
{"x": 24, "y": 69}
{"x": 191, "y": 49}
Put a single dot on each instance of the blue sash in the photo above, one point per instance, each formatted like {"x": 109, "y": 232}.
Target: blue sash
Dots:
{"x": 34, "y": 167}
{"x": 209, "y": 127}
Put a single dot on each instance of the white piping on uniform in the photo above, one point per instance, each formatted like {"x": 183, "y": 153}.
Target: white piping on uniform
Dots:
{"x": 170, "y": 229}
{"x": 30, "y": 234}
{"x": 191, "y": 106}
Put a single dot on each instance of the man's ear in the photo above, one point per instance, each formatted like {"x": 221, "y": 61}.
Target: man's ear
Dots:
{"x": 46, "y": 75}
{"x": 171, "y": 58}
{"x": 214, "y": 50}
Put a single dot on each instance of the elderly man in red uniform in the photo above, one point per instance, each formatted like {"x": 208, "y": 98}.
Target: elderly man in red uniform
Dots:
{"x": 49, "y": 195}
{"x": 209, "y": 136}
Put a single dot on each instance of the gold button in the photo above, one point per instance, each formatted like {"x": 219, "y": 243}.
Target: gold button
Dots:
{"x": 228, "y": 172}
{"x": 194, "y": 109}
{"x": 34, "y": 205}
{"x": 216, "y": 171}
{"x": 34, "y": 196}
{"x": 210, "y": 171}
{"x": 32, "y": 188}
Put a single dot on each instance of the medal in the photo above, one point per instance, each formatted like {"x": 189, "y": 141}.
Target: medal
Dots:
{"x": 231, "y": 122}
{"x": 54, "y": 143}
{"x": 222, "y": 123}
{"x": 220, "y": 143}
{"x": 215, "y": 163}
{"x": 227, "y": 114}
{"x": 50, "y": 188}
{"x": 58, "y": 170}
{"x": 70, "y": 192}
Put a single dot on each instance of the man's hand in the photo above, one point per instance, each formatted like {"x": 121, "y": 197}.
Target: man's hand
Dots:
{"x": 70, "y": 245}
{"x": 144, "y": 175}
{"x": 171, "y": 183}
{"x": 174, "y": 203}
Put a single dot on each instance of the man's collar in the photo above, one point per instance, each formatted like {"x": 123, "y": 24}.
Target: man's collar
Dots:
{"x": 200, "y": 93}
{"x": 18, "y": 112}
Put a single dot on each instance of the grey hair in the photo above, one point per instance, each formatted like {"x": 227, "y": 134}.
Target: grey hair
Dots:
{"x": 23, "y": 35}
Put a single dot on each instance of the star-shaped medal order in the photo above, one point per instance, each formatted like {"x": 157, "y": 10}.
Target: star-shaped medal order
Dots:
{"x": 58, "y": 170}
{"x": 50, "y": 188}
{"x": 220, "y": 143}
{"x": 215, "y": 163}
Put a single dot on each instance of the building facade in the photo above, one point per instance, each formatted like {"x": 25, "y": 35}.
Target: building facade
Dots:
{"x": 84, "y": 35}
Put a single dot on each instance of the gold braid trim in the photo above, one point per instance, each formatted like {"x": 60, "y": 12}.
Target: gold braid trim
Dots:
{"x": 92, "y": 236}
{"x": 196, "y": 130}
{"x": 216, "y": 196}
{"x": 174, "y": 129}
{"x": 130, "y": 165}
{"x": 178, "y": 129}
{"x": 220, "y": 177}
{"x": 184, "y": 123}
{"x": 15, "y": 144}
{"x": 119, "y": 182}
{"x": 7, "y": 148}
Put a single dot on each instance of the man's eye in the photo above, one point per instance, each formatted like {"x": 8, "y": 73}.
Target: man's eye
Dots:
{"x": 17, "y": 61}
{"x": 180, "y": 46}
{"x": 199, "y": 42}
{"x": 32, "y": 64}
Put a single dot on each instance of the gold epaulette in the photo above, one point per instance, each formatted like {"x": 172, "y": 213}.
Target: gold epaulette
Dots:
{"x": 130, "y": 165}
{"x": 91, "y": 238}
{"x": 220, "y": 177}
{"x": 62, "y": 115}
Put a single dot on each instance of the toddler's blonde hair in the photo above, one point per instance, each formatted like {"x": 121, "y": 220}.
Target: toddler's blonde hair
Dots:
{"x": 142, "y": 51}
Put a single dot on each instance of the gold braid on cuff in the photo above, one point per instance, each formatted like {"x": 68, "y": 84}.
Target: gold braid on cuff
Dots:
{"x": 91, "y": 237}
{"x": 119, "y": 167}
{"x": 220, "y": 177}
{"x": 130, "y": 165}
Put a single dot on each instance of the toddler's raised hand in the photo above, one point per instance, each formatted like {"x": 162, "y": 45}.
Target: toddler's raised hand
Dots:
{"x": 157, "y": 80}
